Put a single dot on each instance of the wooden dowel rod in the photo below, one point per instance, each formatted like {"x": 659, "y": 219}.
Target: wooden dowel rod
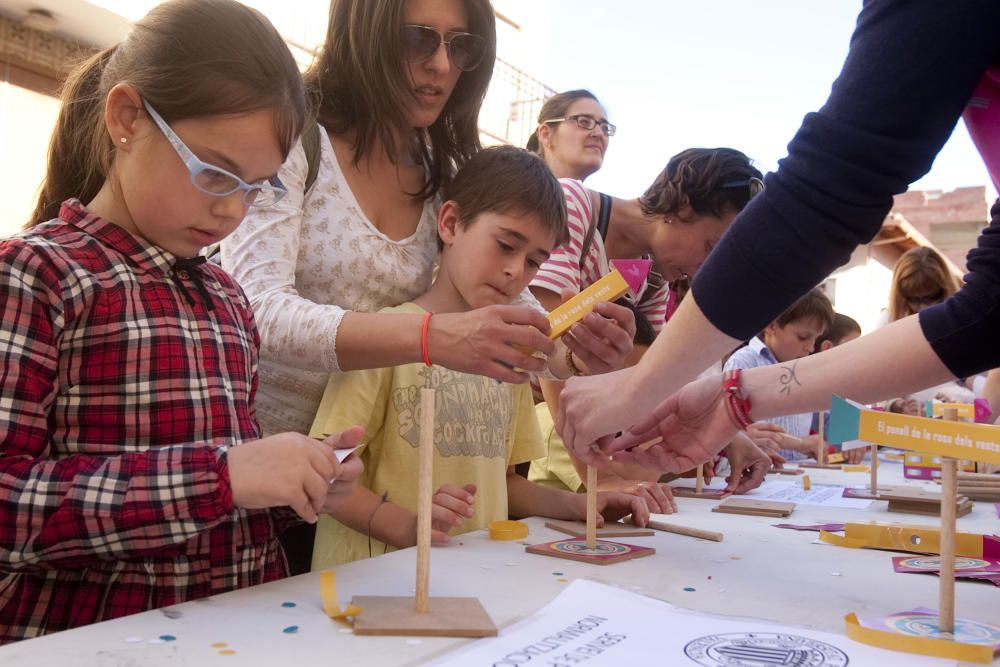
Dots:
{"x": 425, "y": 472}
{"x": 821, "y": 447}
{"x": 699, "y": 478}
{"x": 684, "y": 530}
{"x": 591, "y": 507}
{"x": 946, "y": 586}
{"x": 873, "y": 482}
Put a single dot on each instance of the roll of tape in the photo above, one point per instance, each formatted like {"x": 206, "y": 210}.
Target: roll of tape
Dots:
{"x": 508, "y": 530}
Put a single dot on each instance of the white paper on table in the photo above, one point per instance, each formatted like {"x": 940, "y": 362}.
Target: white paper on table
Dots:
{"x": 593, "y": 624}
{"x": 823, "y": 495}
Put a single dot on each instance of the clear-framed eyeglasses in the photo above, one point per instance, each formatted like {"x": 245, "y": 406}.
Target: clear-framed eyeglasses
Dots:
{"x": 216, "y": 181}
{"x": 587, "y": 123}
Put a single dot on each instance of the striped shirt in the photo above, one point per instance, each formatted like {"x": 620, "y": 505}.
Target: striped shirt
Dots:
{"x": 124, "y": 379}
{"x": 754, "y": 355}
{"x": 568, "y": 269}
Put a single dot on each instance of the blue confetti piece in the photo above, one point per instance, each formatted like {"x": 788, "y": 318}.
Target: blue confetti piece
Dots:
{"x": 689, "y": 589}
{"x": 168, "y": 638}
{"x": 291, "y": 630}
{"x": 287, "y": 605}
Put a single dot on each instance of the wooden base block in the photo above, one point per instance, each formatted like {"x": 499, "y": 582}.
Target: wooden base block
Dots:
{"x": 445, "y": 617}
{"x": 930, "y": 508}
{"x": 613, "y": 529}
{"x": 605, "y": 553}
{"x": 881, "y": 493}
{"x": 751, "y": 507}
{"x": 706, "y": 494}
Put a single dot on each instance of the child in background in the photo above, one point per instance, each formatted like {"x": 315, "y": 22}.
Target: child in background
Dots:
{"x": 503, "y": 216}
{"x": 792, "y": 336}
{"x": 842, "y": 330}
{"x": 131, "y": 474}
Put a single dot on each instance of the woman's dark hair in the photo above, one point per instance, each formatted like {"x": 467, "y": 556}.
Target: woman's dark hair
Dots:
{"x": 188, "y": 59}
{"x": 358, "y": 85}
{"x": 712, "y": 181}
{"x": 557, "y": 106}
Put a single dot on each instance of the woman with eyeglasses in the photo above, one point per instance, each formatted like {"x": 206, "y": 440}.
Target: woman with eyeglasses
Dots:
{"x": 397, "y": 90}
{"x": 889, "y": 113}
{"x": 572, "y": 134}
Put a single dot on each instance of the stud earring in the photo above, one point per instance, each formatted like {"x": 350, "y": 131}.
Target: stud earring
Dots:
{"x": 123, "y": 140}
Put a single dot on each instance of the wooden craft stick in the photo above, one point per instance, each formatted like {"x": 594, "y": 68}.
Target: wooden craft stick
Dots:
{"x": 873, "y": 483}
{"x": 684, "y": 530}
{"x": 791, "y": 439}
{"x": 591, "y": 507}
{"x": 946, "y": 586}
{"x": 699, "y": 479}
{"x": 821, "y": 447}
{"x": 424, "y": 493}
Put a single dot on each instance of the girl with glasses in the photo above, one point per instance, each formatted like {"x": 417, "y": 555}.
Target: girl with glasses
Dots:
{"x": 397, "y": 90}
{"x": 132, "y": 471}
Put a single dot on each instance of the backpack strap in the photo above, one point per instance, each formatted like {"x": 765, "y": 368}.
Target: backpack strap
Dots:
{"x": 599, "y": 225}
{"x": 310, "y": 144}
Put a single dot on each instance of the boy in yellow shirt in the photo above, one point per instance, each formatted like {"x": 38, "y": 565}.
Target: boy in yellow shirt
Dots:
{"x": 503, "y": 216}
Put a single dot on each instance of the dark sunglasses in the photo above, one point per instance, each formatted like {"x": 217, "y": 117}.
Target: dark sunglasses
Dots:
{"x": 421, "y": 42}
{"x": 753, "y": 184}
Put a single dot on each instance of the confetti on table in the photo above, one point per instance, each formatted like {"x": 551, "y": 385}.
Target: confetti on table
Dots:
{"x": 836, "y": 574}
{"x": 734, "y": 558}
{"x": 557, "y": 574}
{"x": 291, "y": 629}
{"x": 287, "y": 605}
{"x": 155, "y": 640}
{"x": 413, "y": 642}
{"x": 719, "y": 560}
{"x": 510, "y": 564}
{"x": 227, "y": 651}
{"x": 219, "y": 645}
{"x": 133, "y": 640}
{"x": 562, "y": 581}
{"x": 168, "y": 638}
{"x": 346, "y": 631}
{"x": 689, "y": 589}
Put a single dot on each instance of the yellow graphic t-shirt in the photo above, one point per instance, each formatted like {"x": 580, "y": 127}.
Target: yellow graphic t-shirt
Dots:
{"x": 555, "y": 469}
{"x": 480, "y": 428}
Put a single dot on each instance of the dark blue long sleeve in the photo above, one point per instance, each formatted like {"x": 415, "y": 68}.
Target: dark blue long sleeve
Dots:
{"x": 910, "y": 71}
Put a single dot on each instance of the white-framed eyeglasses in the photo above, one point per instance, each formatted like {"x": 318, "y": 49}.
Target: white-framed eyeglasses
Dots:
{"x": 216, "y": 181}
{"x": 587, "y": 123}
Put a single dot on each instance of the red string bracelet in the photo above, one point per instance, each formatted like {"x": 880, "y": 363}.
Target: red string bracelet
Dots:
{"x": 423, "y": 339}
{"x": 737, "y": 401}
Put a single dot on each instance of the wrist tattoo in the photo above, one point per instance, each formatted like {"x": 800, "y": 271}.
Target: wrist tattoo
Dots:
{"x": 788, "y": 378}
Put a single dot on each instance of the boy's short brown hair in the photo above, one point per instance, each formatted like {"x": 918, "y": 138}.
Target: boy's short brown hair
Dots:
{"x": 814, "y": 305}
{"x": 509, "y": 180}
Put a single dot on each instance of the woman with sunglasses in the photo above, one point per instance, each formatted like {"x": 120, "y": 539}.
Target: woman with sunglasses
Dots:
{"x": 397, "y": 89}
{"x": 889, "y": 113}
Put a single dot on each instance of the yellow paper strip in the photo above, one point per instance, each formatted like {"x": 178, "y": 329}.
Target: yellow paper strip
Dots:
{"x": 328, "y": 592}
{"x": 958, "y": 440}
{"x": 915, "y": 539}
{"x": 836, "y": 457}
{"x": 608, "y": 288}
{"x": 840, "y": 540}
{"x": 857, "y": 468}
{"x": 893, "y": 641}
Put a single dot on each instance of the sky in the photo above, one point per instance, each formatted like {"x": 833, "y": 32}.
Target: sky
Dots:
{"x": 674, "y": 74}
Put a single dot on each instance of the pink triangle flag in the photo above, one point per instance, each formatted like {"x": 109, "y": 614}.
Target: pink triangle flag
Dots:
{"x": 634, "y": 271}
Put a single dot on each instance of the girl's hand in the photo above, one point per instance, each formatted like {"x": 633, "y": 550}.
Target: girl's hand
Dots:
{"x": 345, "y": 479}
{"x": 484, "y": 342}
{"x": 288, "y": 469}
{"x": 659, "y": 497}
{"x": 451, "y": 506}
{"x": 748, "y": 464}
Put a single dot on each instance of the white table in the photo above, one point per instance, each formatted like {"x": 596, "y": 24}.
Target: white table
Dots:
{"x": 780, "y": 575}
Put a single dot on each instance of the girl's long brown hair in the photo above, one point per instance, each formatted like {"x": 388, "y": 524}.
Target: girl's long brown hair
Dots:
{"x": 358, "y": 84}
{"x": 187, "y": 58}
{"x": 920, "y": 272}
